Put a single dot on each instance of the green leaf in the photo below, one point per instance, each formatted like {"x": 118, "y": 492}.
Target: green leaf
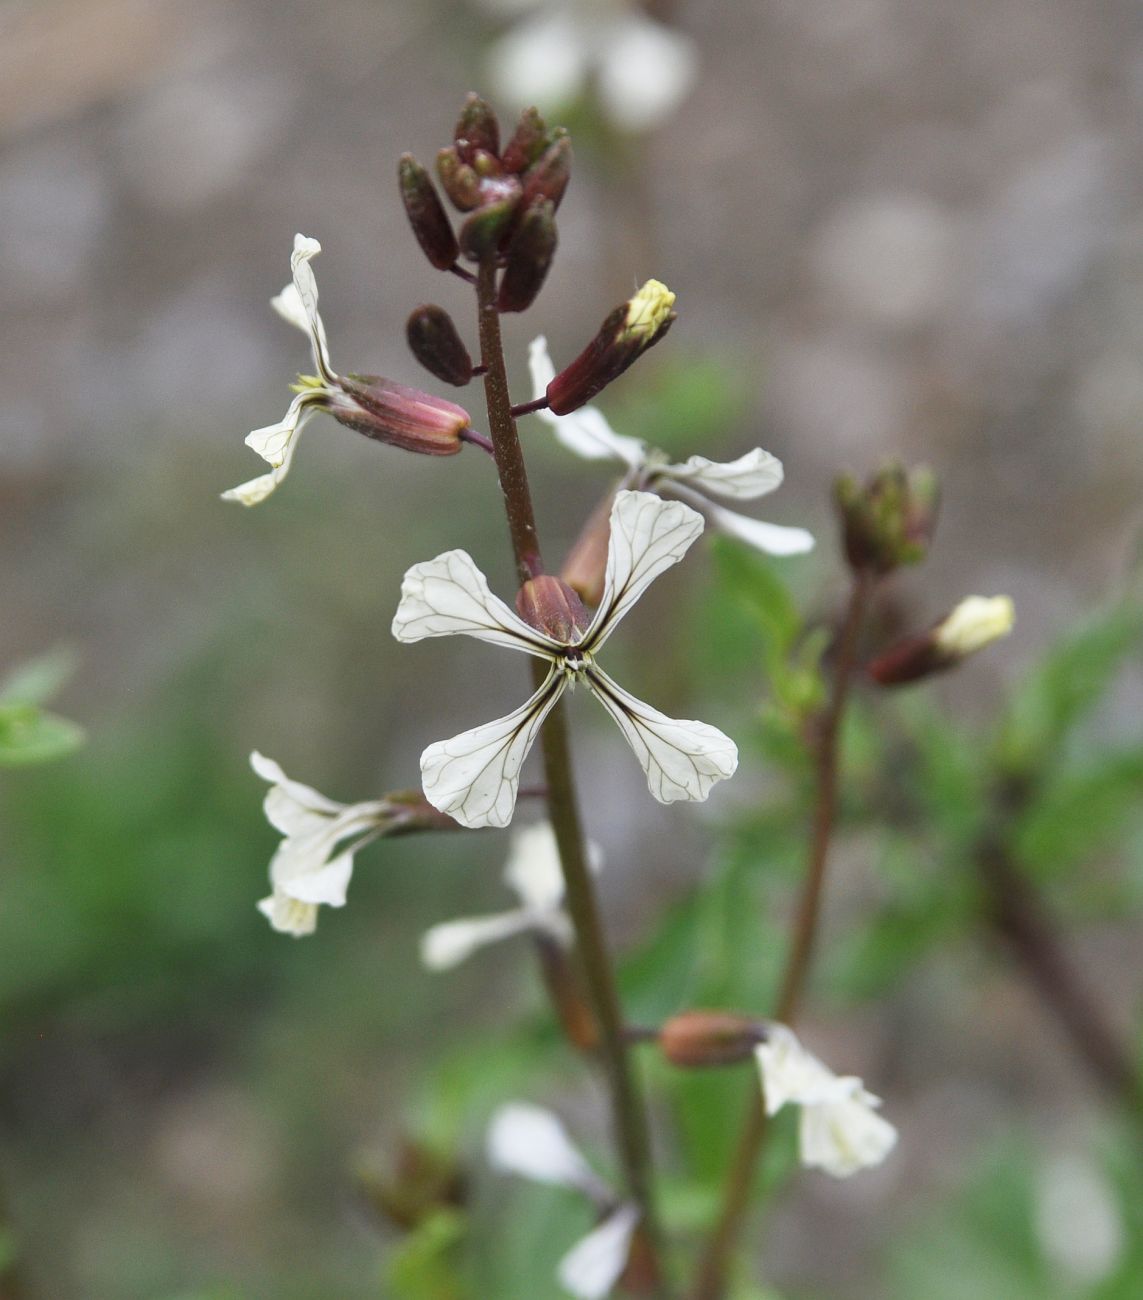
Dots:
{"x": 1072, "y": 679}
{"x": 40, "y": 679}
{"x": 424, "y": 1265}
{"x": 29, "y": 736}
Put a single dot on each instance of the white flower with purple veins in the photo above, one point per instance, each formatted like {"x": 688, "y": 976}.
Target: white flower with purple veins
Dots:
{"x": 587, "y": 433}
{"x": 839, "y": 1129}
{"x": 307, "y": 869}
{"x": 391, "y": 413}
{"x": 474, "y": 777}
{"x": 534, "y": 874}
{"x": 640, "y": 69}
{"x": 530, "y": 1141}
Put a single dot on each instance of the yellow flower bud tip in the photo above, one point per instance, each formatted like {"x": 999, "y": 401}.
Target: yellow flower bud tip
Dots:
{"x": 648, "y": 311}
{"x": 307, "y": 384}
{"x": 976, "y": 622}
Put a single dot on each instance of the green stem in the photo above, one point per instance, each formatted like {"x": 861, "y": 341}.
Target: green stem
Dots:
{"x": 628, "y": 1110}
{"x": 711, "y": 1282}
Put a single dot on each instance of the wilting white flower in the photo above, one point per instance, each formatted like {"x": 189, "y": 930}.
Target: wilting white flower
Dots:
{"x": 534, "y": 873}
{"x": 383, "y": 410}
{"x": 306, "y": 870}
{"x": 839, "y": 1128}
{"x": 530, "y": 1141}
{"x": 587, "y": 433}
{"x": 641, "y": 69}
{"x": 474, "y": 776}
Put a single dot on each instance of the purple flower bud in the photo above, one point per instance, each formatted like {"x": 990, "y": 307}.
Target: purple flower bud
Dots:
{"x": 460, "y": 181}
{"x": 701, "y": 1038}
{"x": 530, "y": 252}
{"x": 889, "y": 522}
{"x": 527, "y": 144}
{"x": 551, "y": 606}
{"x": 435, "y": 342}
{"x": 426, "y": 214}
{"x": 476, "y": 128}
{"x": 400, "y": 416}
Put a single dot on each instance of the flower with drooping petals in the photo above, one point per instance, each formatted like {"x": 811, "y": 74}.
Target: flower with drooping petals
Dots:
{"x": 474, "y": 777}
{"x": 587, "y": 433}
{"x": 392, "y": 413}
{"x": 530, "y": 1141}
{"x": 307, "y": 869}
{"x": 533, "y": 872}
{"x": 839, "y": 1128}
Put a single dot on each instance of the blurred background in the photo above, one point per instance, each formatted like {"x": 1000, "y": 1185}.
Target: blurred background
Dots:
{"x": 893, "y": 227}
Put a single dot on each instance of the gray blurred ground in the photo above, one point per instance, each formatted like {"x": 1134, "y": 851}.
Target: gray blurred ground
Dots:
{"x": 916, "y": 225}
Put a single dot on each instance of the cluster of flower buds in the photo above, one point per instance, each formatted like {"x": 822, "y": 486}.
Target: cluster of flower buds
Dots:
{"x": 422, "y": 1183}
{"x": 889, "y": 522}
{"x": 508, "y": 196}
{"x": 976, "y": 622}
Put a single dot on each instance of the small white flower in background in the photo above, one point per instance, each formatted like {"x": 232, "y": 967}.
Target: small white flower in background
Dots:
{"x": 530, "y": 1141}
{"x": 1078, "y": 1220}
{"x": 403, "y": 417}
{"x": 587, "y": 433}
{"x": 533, "y": 872}
{"x": 976, "y": 622}
{"x": 640, "y": 69}
{"x": 839, "y": 1128}
{"x": 474, "y": 777}
{"x": 306, "y": 871}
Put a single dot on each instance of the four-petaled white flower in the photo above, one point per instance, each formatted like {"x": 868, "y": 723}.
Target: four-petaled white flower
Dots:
{"x": 534, "y": 873}
{"x": 587, "y": 433}
{"x": 640, "y": 69}
{"x": 305, "y": 870}
{"x": 839, "y": 1128}
{"x": 530, "y": 1141}
{"x": 474, "y": 776}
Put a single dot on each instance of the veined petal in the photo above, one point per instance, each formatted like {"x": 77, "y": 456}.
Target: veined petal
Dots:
{"x": 586, "y": 431}
{"x": 530, "y": 1141}
{"x": 682, "y": 759}
{"x": 750, "y": 476}
{"x": 591, "y": 1268}
{"x": 258, "y": 489}
{"x": 845, "y": 1136}
{"x": 648, "y": 536}
{"x": 774, "y": 539}
{"x": 447, "y": 945}
{"x": 449, "y": 595}
{"x": 274, "y": 442}
{"x": 474, "y": 777}
{"x": 305, "y": 287}
{"x": 645, "y": 72}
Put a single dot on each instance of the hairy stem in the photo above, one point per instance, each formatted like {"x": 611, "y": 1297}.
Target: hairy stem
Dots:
{"x": 711, "y": 1283}
{"x": 628, "y": 1110}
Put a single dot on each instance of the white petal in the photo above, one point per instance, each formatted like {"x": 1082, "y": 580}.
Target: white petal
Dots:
{"x": 447, "y": 945}
{"x": 533, "y": 868}
{"x": 541, "y": 61}
{"x": 645, "y": 73}
{"x": 305, "y": 286}
{"x": 288, "y": 304}
{"x": 842, "y": 1137}
{"x": 288, "y": 916}
{"x": 648, "y": 536}
{"x": 315, "y": 880}
{"x": 744, "y": 479}
{"x": 291, "y": 806}
{"x": 682, "y": 759}
{"x": 473, "y": 777}
{"x": 530, "y": 1141}
{"x": 276, "y": 439}
{"x": 773, "y": 539}
{"x": 591, "y": 1269}
{"x": 449, "y": 595}
{"x": 791, "y": 1074}
{"x": 586, "y": 431}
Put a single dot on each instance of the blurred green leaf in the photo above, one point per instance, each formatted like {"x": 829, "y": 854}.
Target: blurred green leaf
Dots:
{"x": 40, "y": 679}
{"x": 424, "y": 1265}
{"x": 28, "y": 735}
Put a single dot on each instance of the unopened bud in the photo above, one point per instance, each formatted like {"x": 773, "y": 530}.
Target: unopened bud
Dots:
{"x": 435, "y": 342}
{"x": 548, "y": 177}
{"x": 459, "y": 181}
{"x": 528, "y": 142}
{"x": 585, "y": 568}
{"x": 476, "y": 128}
{"x": 403, "y": 417}
{"x": 975, "y": 623}
{"x": 426, "y": 213}
{"x": 890, "y": 521}
{"x": 530, "y": 253}
{"x": 551, "y": 606}
{"x": 699, "y": 1038}
{"x": 482, "y": 232}
{"x": 422, "y": 1183}
{"x": 622, "y": 338}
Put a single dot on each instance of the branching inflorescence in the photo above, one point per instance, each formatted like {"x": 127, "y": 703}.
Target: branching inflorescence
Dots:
{"x": 508, "y": 198}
